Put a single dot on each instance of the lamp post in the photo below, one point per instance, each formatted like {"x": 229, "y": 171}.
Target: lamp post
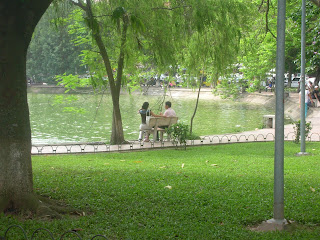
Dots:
{"x": 303, "y": 80}
{"x": 278, "y": 202}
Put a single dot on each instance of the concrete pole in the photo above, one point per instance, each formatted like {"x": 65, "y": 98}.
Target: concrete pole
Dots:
{"x": 278, "y": 202}
{"x": 303, "y": 79}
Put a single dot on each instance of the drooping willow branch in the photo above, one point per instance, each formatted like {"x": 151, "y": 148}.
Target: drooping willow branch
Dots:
{"x": 267, "y": 20}
{"x": 267, "y": 16}
{"x": 170, "y": 8}
{"x": 262, "y": 2}
{"x": 316, "y": 2}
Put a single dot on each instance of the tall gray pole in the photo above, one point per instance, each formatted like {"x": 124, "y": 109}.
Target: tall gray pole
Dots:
{"x": 302, "y": 82}
{"x": 278, "y": 202}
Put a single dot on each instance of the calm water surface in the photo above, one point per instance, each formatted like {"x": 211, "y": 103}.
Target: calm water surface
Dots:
{"x": 53, "y": 122}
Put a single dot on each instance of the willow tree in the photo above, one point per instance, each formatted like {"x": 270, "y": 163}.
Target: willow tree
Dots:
{"x": 122, "y": 33}
{"x": 214, "y": 47}
{"x": 17, "y": 22}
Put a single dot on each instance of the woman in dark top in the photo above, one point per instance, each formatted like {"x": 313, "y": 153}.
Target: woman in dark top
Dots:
{"x": 144, "y": 112}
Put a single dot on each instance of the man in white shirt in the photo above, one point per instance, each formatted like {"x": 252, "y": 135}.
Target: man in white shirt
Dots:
{"x": 169, "y": 111}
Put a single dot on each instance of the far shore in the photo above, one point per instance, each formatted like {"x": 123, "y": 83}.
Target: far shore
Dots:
{"x": 263, "y": 98}
{"x": 206, "y": 92}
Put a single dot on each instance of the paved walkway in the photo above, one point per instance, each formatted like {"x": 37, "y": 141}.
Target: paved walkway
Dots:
{"x": 259, "y": 135}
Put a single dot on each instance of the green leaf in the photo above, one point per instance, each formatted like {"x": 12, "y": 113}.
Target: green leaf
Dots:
{"x": 118, "y": 13}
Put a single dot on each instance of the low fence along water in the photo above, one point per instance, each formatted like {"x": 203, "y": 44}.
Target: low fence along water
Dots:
{"x": 262, "y": 136}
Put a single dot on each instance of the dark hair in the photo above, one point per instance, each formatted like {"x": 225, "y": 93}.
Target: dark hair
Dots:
{"x": 145, "y": 105}
{"x": 168, "y": 104}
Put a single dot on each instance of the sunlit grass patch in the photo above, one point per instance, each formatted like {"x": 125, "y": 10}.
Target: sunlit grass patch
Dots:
{"x": 211, "y": 192}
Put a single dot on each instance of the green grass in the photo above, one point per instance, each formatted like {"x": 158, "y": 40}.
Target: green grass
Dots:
{"x": 124, "y": 195}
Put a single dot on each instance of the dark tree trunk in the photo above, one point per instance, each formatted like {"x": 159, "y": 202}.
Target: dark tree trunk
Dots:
{"x": 17, "y": 22}
{"x": 196, "y": 107}
{"x": 290, "y": 74}
{"x": 117, "y": 128}
{"x": 117, "y": 136}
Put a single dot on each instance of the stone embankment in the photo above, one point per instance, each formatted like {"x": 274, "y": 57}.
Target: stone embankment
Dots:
{"x": 291, "y": 102}
{"x": 291, "y": 108}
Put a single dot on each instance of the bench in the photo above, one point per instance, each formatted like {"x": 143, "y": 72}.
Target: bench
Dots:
{"x": 271, "y": 89}
{"x": 269, "y": 121}
{"x": 155, "y": 122}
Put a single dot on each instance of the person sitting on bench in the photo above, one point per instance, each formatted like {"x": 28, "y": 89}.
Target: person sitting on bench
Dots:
{"x": 168, "y": 113}
{"x": 144, "y": 112}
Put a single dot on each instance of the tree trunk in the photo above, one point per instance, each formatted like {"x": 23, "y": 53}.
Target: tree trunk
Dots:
{"x": 290, "y": 75}
{"x": 117, "y": 136}
{"x": 17, "y": 22}
{"x": 196, "y": 107}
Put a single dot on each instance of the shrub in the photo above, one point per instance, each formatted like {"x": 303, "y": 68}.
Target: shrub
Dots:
{"x": 179, "y": 132}
{"x": 296, "y": 128}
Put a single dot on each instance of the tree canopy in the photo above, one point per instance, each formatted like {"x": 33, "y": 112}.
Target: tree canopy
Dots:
{"x": 51, "y": 51}
{"x": 154, "y": 35}
{"x": 258, "y": 51}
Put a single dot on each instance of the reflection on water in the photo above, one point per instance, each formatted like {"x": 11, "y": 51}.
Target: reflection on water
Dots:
{"x": 51, "y": 123}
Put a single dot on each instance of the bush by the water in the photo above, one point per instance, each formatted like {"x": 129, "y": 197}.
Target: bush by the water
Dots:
{"x": 179, "y": 132}
{"x": 297, "y": 130}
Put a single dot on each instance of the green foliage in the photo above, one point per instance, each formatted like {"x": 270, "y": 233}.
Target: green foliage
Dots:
{"x": 51, "y": 51}
{"x": 179, "y": 132}
{"x": 193, "y": 136}
{"x": 74, "y": 110}
{"x": 118, "y": 13}
{"x": 214, "y": 47}
{"x": 71, "y": 82}
{"x": 313, "y": 39}
{"x": 228, "y": 88}
{"x": 297, "y": 130}
{"x": 255, "y": 85}
{"x": 258, "y": 48}
{"x": 90, "y": 55}
{"x": 195, "y": 34}
{"x": 68, "y": 103}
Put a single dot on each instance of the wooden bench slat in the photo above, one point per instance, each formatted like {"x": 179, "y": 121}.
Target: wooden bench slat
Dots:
{"x": 155, "y": 122}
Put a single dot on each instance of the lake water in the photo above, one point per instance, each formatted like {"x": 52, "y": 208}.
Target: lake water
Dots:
{"x": 56, "y": 121}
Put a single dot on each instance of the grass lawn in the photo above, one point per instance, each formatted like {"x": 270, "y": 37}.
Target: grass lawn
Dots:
{"x": 209, "y": 192}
